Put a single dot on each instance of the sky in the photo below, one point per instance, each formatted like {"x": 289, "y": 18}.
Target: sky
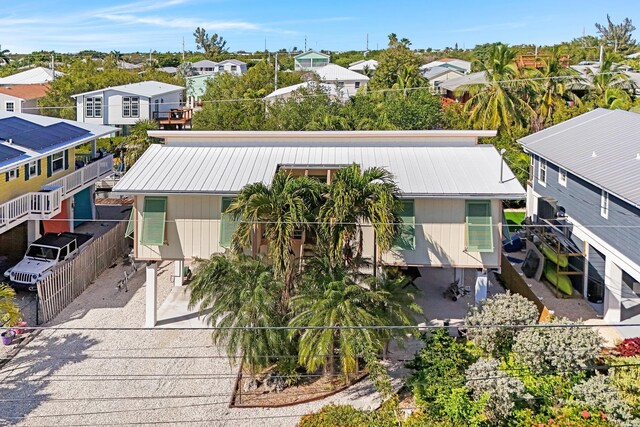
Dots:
{"x": 162, "y": 25}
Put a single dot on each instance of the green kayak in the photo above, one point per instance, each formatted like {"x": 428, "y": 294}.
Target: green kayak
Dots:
{"x": 550, "y": 254}
{"x": 563, "y": 283}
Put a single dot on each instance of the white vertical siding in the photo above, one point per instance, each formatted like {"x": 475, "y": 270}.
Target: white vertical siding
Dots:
{"x": 440, "y": 237}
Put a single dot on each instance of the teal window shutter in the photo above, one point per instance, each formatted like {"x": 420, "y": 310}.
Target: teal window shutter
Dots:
{"x": 154, "y": 214}
{"x": 39, "y": 163}
{"x": 129, "y": 231}
{"x": 406, "y": 239}
{"x": 479, "y": 224}
{"x": 227, "y": 224}
{"x": 49, "y": 166}
{"x": 66, "y": 159}
{"x": 26, "y": 172}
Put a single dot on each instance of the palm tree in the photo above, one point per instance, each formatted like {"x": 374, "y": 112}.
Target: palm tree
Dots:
{"x": 9, "y": 311}
{"x": 608, "y": 76}
{"x": 4, "y": 56}
{"x": 279, "y": 209}
{"x": 353, "y": 198}
{"x": 137, "y": 142}
{"x": 553, "y": 88}
{"x": 240, "y": 291}
{"x": 338, "y": 297}
{"x": 496, "y": 104}
{"x": 409, "y": 77}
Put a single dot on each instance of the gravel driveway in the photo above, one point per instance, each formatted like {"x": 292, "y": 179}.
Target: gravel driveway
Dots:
{"x": 143, "y": 377}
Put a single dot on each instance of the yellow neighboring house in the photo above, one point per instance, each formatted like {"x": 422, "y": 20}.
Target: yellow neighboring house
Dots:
{"x": 44, "y": 187}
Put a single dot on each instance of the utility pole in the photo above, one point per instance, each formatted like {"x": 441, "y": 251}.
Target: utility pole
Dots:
{"x": 53, "y": 67}
{"x": 276, "y": 73}
{"x": 183, "y": 49}
{"x": 367, "y": 42}
{"x": 601, "y": 55}
{"x": 305, "y": 43}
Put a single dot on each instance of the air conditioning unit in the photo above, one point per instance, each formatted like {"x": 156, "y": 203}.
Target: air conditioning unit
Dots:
{"x": 547, "y": 208}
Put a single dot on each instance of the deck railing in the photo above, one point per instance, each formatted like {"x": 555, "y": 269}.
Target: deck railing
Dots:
{"x": 47, "y": 203}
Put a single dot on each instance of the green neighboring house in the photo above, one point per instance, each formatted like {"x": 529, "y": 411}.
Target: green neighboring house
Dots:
{"x": 310, "y": 61}
{"x": 196, "y": 88}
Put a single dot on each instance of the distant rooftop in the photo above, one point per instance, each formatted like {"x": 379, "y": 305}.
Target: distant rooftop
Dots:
{"x": 334, "y": 72}
{"x": 146, "y": 89}
{"x": 37, "y": 75}
{"x": 31, "y": 91}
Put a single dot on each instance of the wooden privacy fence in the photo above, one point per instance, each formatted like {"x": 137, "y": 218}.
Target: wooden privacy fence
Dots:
{"x": 70, "y": 279}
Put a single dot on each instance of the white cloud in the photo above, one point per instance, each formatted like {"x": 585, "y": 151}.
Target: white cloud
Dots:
{"x": 184, "y": 23}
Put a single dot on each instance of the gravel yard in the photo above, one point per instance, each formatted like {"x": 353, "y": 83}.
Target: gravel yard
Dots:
{"x": 141, "y": 377}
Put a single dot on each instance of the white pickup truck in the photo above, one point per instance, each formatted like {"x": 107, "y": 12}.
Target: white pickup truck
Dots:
{"x": 42, "y": 255}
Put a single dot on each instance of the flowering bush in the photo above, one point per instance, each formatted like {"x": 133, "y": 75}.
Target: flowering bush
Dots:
{"x": 629, "y": 347}
{"x": 597, "y": 392}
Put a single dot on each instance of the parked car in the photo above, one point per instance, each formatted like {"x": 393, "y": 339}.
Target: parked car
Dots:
{"x": 42, "y": 256}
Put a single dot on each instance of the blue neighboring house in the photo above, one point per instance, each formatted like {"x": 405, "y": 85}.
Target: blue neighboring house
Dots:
{"x": 586, "y": 171}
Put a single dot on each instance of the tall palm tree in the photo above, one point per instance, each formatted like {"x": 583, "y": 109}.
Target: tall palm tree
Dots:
{"x": 279, "y": 209}
{"x": 609, "y": 75}
{"x": 553, "y": 88}
{"x": 409, "y": 77}
{"x": 337, "y": 296}
{"x": 9, "y": 311}
{"x": 496, "y": 104}
{"x": 240, "y": 291}
{"x": 355, "y": 197}
{"x": 136, "y": 143}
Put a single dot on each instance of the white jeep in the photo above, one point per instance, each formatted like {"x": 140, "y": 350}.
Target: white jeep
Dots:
{"x": 42, "y": 255}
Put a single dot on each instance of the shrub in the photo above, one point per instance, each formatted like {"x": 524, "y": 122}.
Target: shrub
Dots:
{"x": 627, "y": 381}
{"x": 501, "y": 309}
{"x": 347, "y": 416}
{"x": 629, "y": 347}
{"x": 598, "y": 393}
{"x": 439, "y": 368}
{"x": 486, "y": 380}
{"x": 550, "y": 350}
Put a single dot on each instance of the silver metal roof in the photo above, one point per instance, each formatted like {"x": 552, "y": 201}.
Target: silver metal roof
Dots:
{"x": 601, "y": 146}
{"x": 421, "y": 169}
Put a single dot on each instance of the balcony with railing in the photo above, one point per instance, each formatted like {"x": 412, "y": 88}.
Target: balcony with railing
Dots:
{"x": 47, "y": 203}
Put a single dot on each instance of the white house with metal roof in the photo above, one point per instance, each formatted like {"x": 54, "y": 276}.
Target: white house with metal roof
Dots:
{"x": 284, "y": 93}
{"x": 43, "y": 183}
{"x": 364, "y": 66}
{"x": 585, "y": 173}
{"x": 345, "y": 79}
{"x": 310, "y": 61}
{"x": 38, "y": 75}
{"x": 208, "y": 67}
{"x": 452, "y": 189}
{"x": 124, "y": 105}
{"x": 459, "y": 65}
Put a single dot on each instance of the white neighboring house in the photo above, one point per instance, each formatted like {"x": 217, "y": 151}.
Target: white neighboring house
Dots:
{"x": 347, "y": 80}
{"x": 364, "y": 65}
{"x": 457, "y": 64}
{"x": 39, "y": 75}
{"x": 285, "y": 93}
{"x": 22, "y": 98}
{"x": 437, "y": 75}
{"x": 124, "y": 105}
{"x": 207, "y": 67}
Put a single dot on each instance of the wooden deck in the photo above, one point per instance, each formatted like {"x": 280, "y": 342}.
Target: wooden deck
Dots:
{"x": 177, "y": 118}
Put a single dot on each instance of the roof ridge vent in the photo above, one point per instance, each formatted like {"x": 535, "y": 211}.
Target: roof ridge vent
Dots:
{"x": 594, "y": 154}
{"x": 638, "y": 156}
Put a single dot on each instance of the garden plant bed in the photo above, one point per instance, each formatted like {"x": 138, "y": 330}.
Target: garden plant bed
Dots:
{"x": 309, "y": 389}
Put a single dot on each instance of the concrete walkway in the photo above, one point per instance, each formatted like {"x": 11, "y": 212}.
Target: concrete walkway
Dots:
{"x": 135, "y": 377}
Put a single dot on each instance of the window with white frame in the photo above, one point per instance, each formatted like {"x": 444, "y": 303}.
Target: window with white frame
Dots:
{"x": 12, "y": 174}
{"x": 220, "y": 68}
{"x": 10, "y": 107}
{"x": 130, "y": 106}
{"x": 562, "y": 177}
{"x": 234, "y": 68}
{"x": 93, "y": 107}
{"x": 604, "y": 204}
{"x": 357, "y": 85}
{"x": 33, "y": 169}
{"x": 542, "y": 172}
{"x": 97, "y": 107}
{"x": 57, "y": 162}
